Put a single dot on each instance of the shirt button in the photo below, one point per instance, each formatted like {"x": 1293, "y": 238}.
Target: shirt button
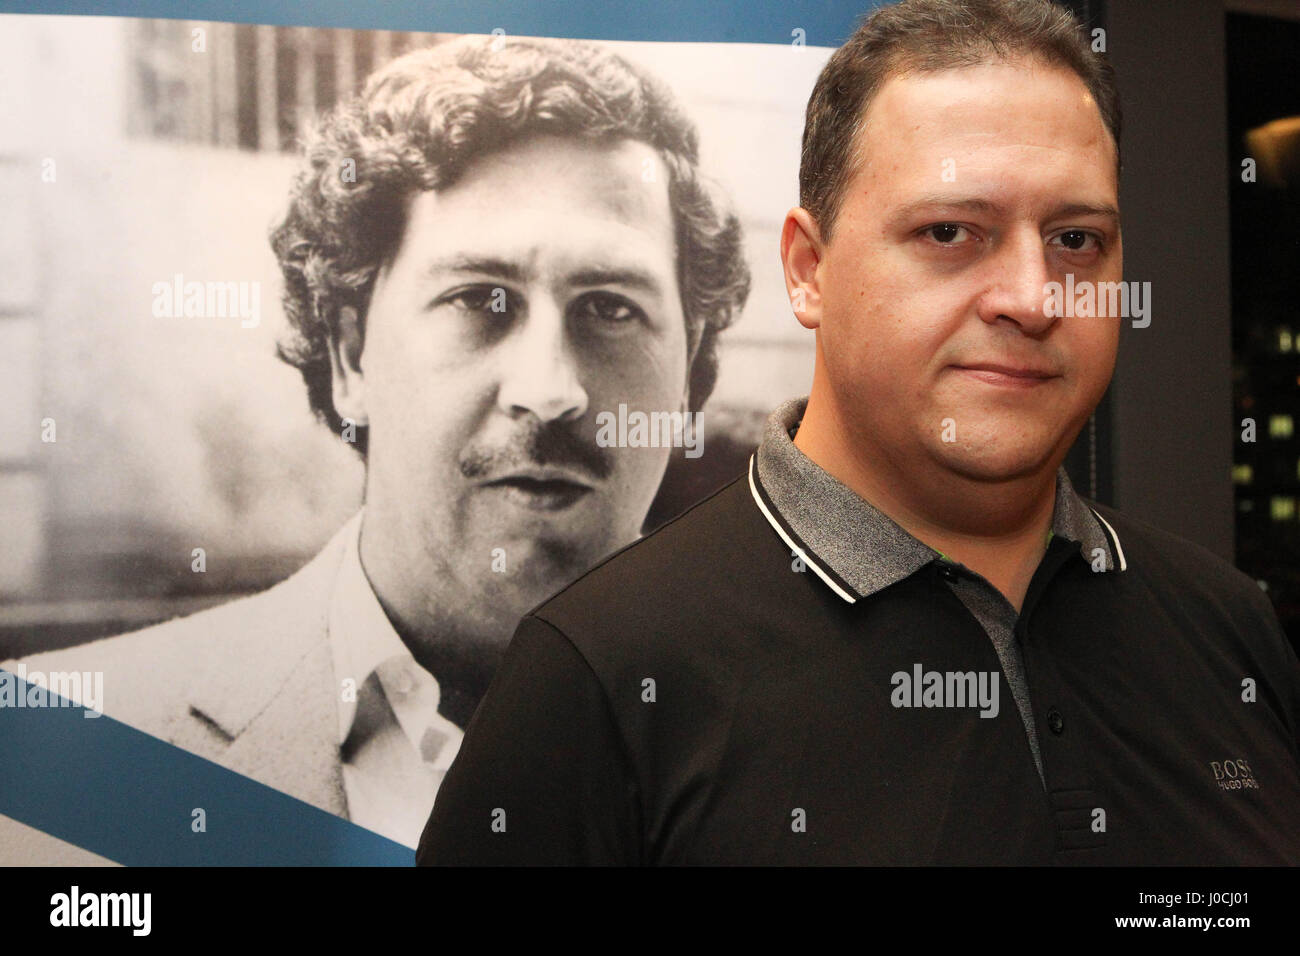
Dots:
{"x": 405, "y": 682}
{"x": 1055, "y": 722}
{"x": 947, "y": 572}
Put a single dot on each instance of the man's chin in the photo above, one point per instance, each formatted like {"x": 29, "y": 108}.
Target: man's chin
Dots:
{"x": 993, "y": 463}
{"x": 532, "y": 569}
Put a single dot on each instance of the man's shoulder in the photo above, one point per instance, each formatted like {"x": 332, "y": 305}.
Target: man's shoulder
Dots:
{"x": 676, "y": 555}
{"x": 244, "y": 622}
{"x": 1178, "y": 573}
{"x": 147, "y": 671}
{"x": 701, "y": 594}
{"x": 1160, "y": 555}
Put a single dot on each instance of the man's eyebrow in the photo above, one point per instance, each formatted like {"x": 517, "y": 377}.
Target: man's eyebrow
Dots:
{"x": 988, "y": 207}
{"x": 630, "y": 277}
{"x": 1104, "y": 209}
{"x": 500, "y": 268}
{"x": 592, "y": 276}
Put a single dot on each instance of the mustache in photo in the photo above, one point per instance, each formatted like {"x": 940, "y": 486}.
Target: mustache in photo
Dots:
{"x": 539, "y": 443}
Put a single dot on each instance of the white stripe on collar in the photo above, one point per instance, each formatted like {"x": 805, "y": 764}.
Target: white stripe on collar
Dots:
{"x": 1114, "y": 537}
{"x": 794, "y": 548}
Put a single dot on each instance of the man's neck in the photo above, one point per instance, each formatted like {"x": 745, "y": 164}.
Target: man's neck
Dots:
{"x": 997, "y": 529}
{"x": 462, "y": 661}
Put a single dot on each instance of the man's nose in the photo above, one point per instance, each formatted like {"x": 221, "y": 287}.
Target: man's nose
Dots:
{"x": 1018, "y": 275}
{"x": 539, "y": 372}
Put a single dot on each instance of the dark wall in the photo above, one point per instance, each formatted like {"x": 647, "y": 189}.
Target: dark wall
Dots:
{"x": 1171, "y": 401}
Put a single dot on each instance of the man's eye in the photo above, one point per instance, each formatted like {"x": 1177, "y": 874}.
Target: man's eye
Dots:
{"x": 481, "y": 298}
{"x": 1076, "y": 240}
{"x": 605, "y": 307}
{"x": 945, "y": 233}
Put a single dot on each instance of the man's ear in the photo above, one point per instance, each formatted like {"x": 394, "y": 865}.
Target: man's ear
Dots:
{"x": 801, "y": 253}
{"x": 345, "y": 363}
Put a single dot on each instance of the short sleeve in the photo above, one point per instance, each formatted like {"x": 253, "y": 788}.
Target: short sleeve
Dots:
{"x": 542, "y": 776}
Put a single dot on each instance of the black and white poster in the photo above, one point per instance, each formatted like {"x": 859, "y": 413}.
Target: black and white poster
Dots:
{"x": 329, "y": 353}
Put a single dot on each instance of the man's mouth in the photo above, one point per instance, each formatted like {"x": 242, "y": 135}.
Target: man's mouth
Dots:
{"x": 540, "y": 492}
{"x": 1008, "y": 375}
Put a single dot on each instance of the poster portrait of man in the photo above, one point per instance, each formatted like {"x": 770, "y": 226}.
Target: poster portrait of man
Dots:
{"x": 504, "y": 277}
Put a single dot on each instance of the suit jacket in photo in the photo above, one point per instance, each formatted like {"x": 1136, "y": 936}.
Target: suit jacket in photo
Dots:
{"x": 249, "y": 684}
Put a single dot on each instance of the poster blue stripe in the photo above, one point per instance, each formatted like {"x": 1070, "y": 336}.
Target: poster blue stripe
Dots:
{"x": 824, "y": 22}
{"x": 118, "y": 792}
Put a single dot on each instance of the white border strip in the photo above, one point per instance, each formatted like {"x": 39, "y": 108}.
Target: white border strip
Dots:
{"x": 1122, "y": 563}
{"x": 794, "y": 548}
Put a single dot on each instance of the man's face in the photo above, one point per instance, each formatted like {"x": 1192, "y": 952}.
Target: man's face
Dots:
{"x": 533, "y": 293}
{"x": 979, "y": 186}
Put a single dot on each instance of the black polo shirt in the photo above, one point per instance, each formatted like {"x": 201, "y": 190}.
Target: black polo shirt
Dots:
{"x": 783, "y": 675}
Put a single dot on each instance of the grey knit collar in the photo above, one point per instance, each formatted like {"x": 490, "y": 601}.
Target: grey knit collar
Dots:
{"x": 854, "y": 547}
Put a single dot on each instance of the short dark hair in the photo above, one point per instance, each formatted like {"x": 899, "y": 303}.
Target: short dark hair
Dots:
{"x": 926, "y": 36}
{"x": 422, "y": 119}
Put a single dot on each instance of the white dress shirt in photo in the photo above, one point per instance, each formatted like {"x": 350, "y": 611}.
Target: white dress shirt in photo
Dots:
{"x": 395, "y": 745}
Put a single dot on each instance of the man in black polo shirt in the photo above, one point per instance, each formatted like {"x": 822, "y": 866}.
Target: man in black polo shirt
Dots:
{"x": 902, "y": 637}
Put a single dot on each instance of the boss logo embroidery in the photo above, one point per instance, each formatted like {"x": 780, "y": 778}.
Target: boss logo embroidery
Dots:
{"x": 1233, "y": 775}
